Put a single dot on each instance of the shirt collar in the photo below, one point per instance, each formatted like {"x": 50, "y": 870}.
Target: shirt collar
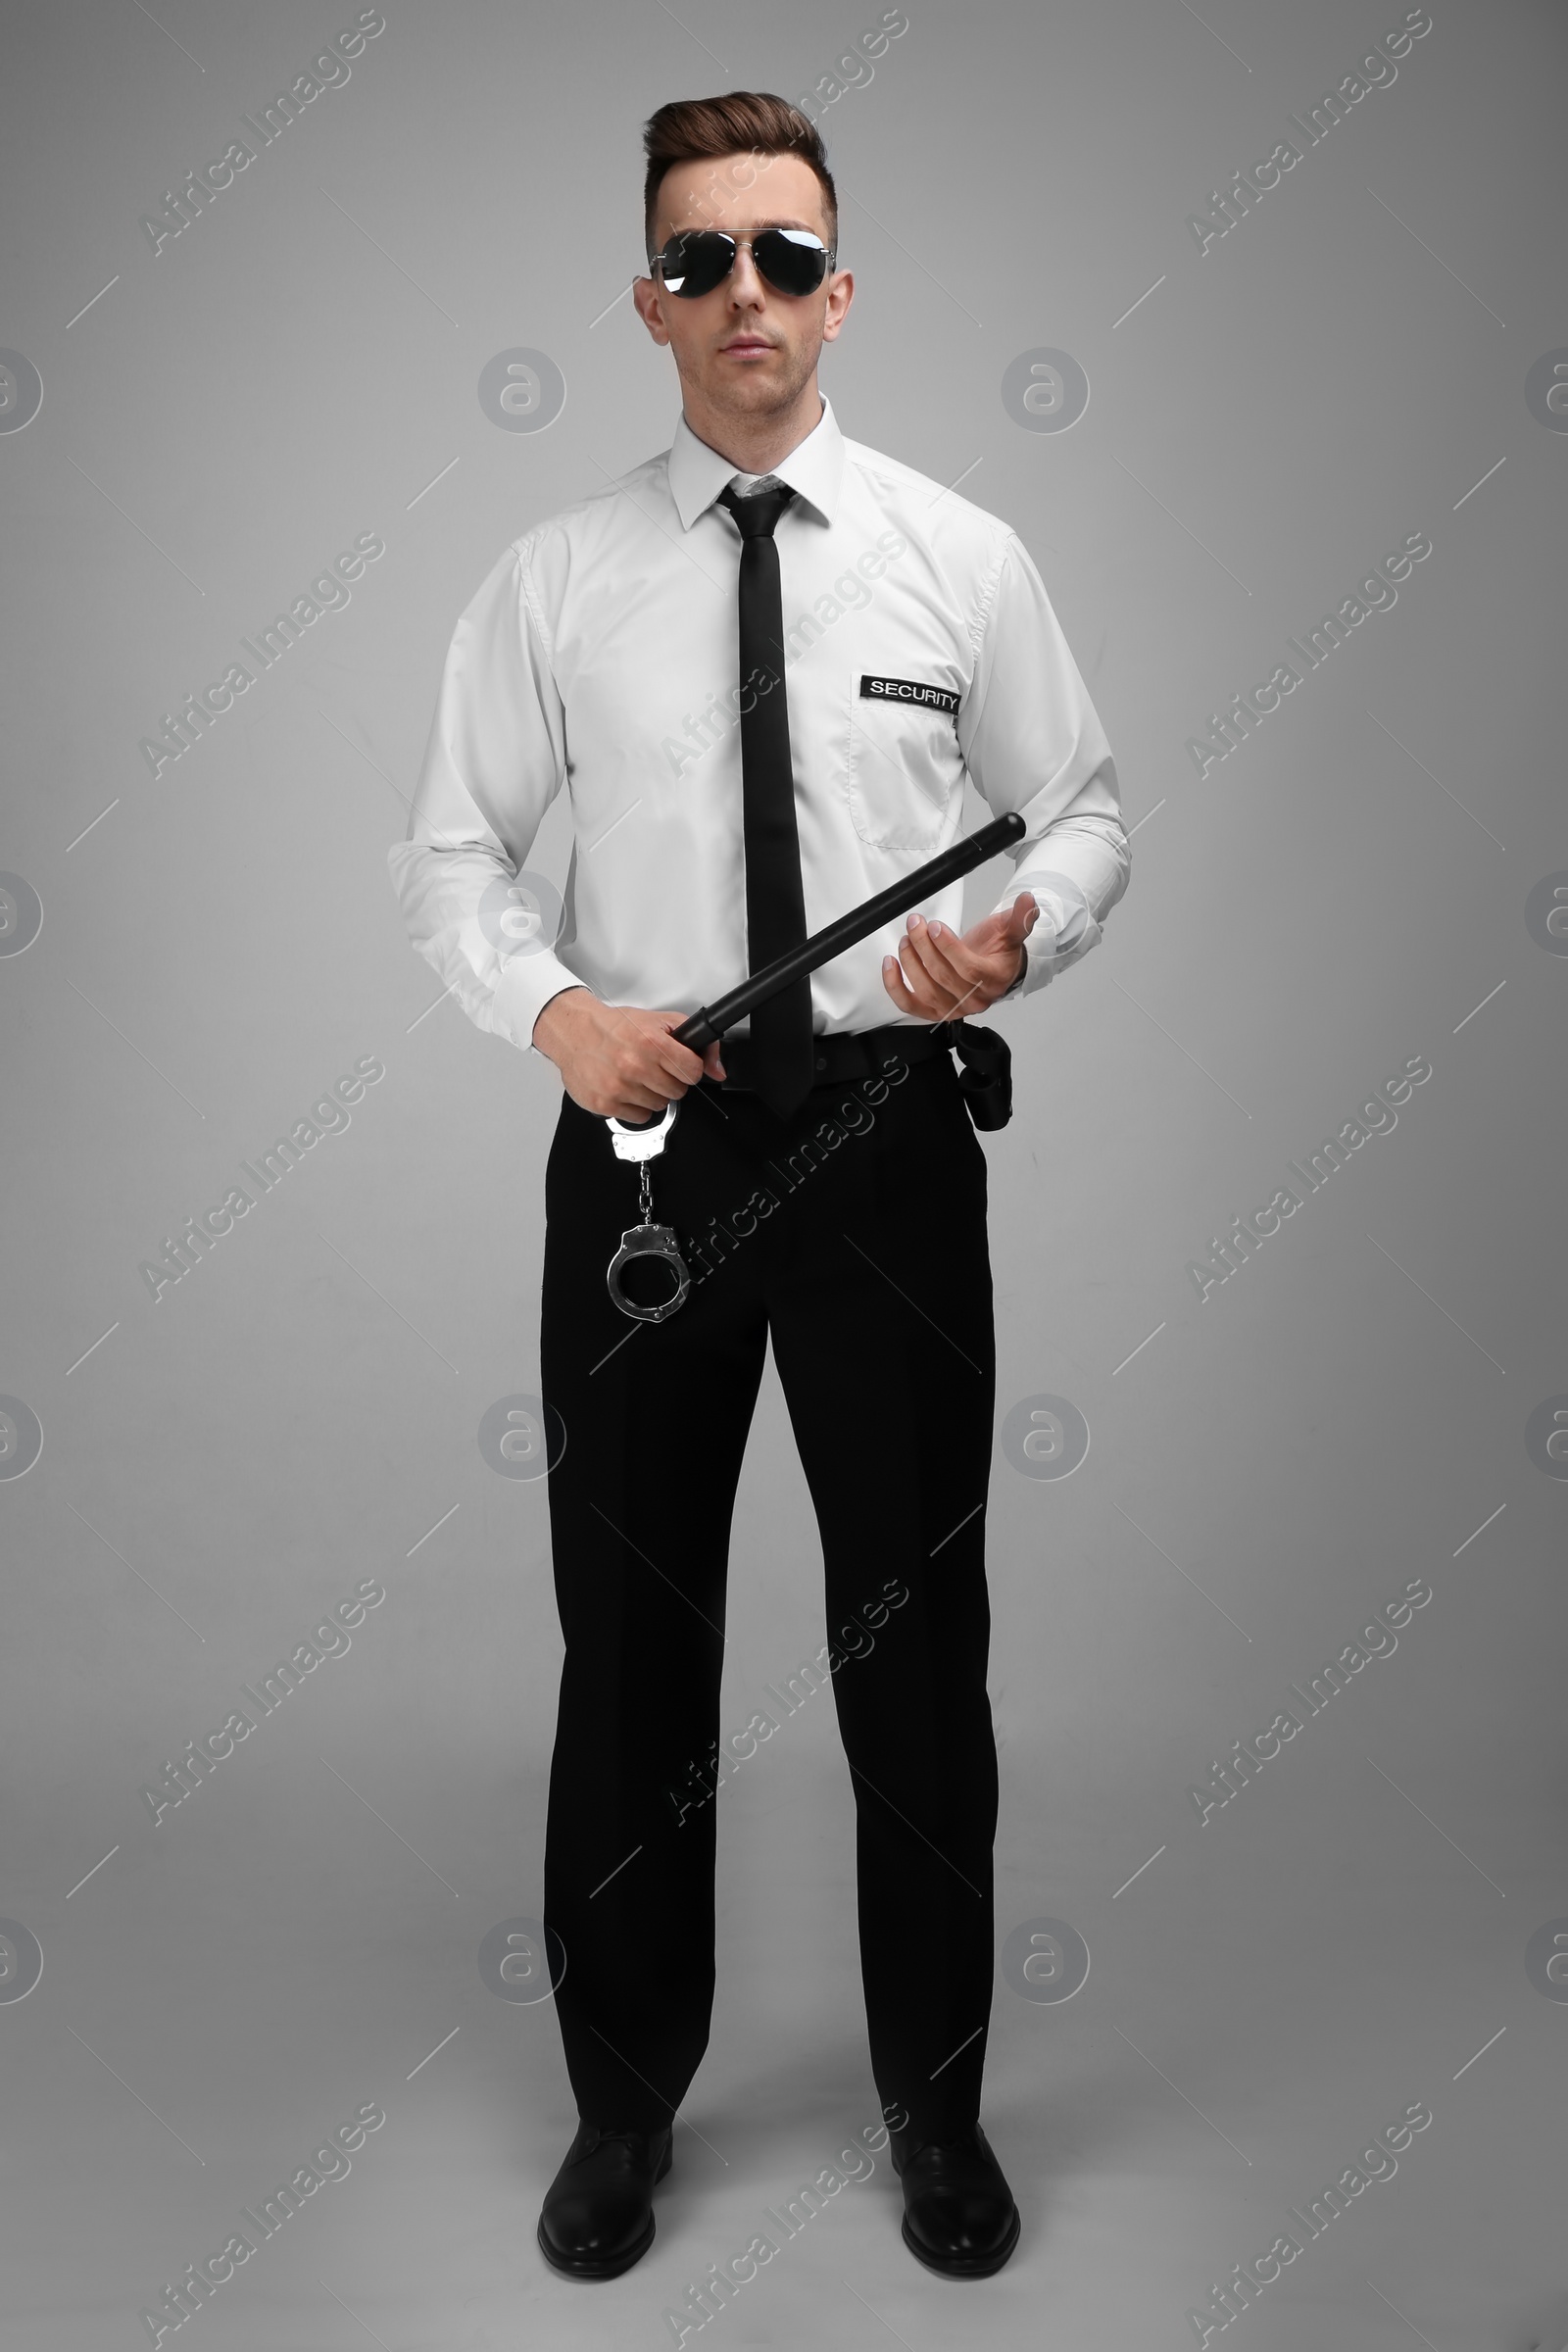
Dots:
{"x": 814, "y": 469}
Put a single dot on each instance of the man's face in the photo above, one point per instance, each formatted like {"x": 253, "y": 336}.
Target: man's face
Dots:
{"x": 745, "y": 350}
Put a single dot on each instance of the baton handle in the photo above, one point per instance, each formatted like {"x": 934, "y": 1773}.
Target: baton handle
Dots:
{"x": 712, "y": 1020}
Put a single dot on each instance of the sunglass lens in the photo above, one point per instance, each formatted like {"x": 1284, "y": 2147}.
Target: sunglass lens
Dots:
{"x": 793, "y": 267}
{"x": 696, "y": 262}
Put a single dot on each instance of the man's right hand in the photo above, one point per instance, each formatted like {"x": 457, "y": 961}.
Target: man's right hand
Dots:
{"x": 618, "y": 1060}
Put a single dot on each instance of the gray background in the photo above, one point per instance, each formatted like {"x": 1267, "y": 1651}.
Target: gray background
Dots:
{"x": 300, "y": 1411}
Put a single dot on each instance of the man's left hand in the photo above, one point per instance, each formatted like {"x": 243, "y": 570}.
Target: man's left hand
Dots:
{"x": 941, "y": 975}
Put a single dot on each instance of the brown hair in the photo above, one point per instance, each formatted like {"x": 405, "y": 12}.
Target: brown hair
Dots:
{"x": 739, "y": 123}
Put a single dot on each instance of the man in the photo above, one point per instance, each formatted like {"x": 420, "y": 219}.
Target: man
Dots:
{"x": 763, "y": 664}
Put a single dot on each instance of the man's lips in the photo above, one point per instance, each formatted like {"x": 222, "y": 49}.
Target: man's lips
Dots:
{"x": 747, "y": 343}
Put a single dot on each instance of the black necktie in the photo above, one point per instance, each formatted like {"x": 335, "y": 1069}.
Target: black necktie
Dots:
{"x": 775, "y": 898}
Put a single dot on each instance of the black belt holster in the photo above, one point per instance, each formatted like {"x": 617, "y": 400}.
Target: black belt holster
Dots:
{"x": 985, "y": 1075}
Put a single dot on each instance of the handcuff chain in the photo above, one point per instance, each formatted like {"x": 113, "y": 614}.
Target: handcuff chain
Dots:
{"x": 646, "y": 1191}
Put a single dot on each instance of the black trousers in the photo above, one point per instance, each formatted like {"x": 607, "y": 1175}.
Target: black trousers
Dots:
{"x": 853, "y": 1235}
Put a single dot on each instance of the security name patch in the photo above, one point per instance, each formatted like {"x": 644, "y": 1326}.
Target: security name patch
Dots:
{"x": 908, "y": 690}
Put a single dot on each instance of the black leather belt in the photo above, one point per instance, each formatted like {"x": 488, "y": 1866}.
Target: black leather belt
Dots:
{"x": 841, "y": 1055}
{"x": 985, "y": 1077}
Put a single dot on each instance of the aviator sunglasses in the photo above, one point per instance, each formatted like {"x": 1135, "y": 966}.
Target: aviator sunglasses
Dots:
{"x": 697, "y": 260}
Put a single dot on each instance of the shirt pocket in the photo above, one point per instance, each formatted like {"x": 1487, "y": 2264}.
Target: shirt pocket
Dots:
{"x": 900, "y": 773}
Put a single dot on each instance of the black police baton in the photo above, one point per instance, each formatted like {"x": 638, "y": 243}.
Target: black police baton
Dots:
{"x": 985, "y": 1080}
{"x": 712, "y": 1020}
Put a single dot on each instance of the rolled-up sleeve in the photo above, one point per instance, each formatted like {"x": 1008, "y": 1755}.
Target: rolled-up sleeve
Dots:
{"x": 1033, "y": 742}
{"x": 495, "y": 759}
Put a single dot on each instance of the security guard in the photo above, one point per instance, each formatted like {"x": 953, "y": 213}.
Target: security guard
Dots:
{"x": 761, "y": 666}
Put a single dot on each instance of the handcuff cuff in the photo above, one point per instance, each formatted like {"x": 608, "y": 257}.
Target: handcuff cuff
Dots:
{"x": 647, "y": 1240}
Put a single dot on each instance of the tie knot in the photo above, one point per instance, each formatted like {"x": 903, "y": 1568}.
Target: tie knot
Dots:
{"x": 756, "y": 516}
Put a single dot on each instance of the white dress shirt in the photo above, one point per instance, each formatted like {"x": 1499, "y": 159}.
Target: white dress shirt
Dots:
{"x": 601, "y": 652}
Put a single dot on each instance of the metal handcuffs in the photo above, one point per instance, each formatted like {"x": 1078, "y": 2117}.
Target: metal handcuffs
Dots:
{"x": 647, "y": 1240}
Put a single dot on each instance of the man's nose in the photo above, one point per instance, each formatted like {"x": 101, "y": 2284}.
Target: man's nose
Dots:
{"x": 745, "y": 284}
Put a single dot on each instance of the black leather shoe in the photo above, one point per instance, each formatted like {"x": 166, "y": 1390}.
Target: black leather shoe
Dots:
{"x": 598, "y": 2218}
{"x": 959, "y": 2213}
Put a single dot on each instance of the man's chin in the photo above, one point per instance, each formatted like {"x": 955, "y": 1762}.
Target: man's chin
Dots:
{"x": 759, "y": 390}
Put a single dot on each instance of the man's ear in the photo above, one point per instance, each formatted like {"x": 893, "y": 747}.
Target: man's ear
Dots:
{"x": 649, "y": 299}
{"x": 840, "y": 294}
